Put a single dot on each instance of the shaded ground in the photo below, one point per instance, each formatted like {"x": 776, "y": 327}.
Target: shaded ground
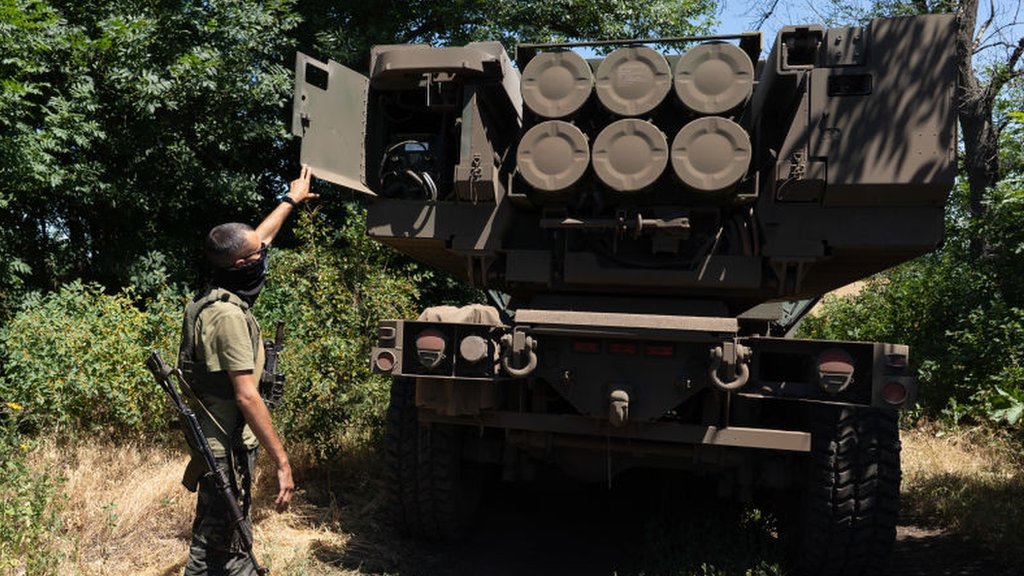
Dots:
{"x": 589, "y": 531}
{"x": 137, "y": 521}
{"x": 923, "y": 552}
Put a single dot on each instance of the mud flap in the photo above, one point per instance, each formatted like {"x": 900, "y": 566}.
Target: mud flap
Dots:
{"x": 329, "y": 114}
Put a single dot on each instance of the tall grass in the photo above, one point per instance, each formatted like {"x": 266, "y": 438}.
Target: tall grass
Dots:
{"x": 29, "y": 503}
{"x": 968, "y": 480}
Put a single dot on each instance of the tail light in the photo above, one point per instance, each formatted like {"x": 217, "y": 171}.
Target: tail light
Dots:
{"x": 835, "y": 370}
{"x": 622, "y": 348}
{"x": 430, "y": 348}
{"x": 662, "y": 350}
{"x": 894, "y": 393}
{"x": 384, "y": 361}
{"x": 586, "y": 346}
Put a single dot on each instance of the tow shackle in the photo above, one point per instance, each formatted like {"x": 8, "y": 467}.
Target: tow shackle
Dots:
{"x": 514, "y": 348}
{"x": 732, "y": 359}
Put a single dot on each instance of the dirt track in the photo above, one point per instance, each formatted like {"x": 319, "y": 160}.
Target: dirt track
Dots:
{"x": 588, "y": 532}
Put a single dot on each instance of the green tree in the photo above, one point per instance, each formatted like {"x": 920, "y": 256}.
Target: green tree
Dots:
{"x": 345, "y": 31}
{"x": 962, "y": 308}
{"x": 333, "y": 290}
{"x": 129, "y": 127}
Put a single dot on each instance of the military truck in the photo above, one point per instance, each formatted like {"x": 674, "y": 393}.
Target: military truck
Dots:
{"x": 649, "y": 225}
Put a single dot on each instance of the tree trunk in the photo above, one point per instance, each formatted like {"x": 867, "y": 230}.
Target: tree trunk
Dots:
{"x": 980, "y": 136}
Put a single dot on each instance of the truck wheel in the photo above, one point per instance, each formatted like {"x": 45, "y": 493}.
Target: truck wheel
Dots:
{"x": 400, "y": 455}
{"x": 847, "y": 514}
{"x": 433, "y": 494}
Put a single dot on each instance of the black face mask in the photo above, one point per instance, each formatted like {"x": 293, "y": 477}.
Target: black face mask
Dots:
{"x": 245, "y": 281}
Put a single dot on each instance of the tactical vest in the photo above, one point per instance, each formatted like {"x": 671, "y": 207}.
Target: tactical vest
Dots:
{"x": 196, "y": 372}
{"x": 203, "y": 385}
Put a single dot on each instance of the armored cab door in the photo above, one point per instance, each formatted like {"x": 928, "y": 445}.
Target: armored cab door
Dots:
{"x": 329, "y": 113}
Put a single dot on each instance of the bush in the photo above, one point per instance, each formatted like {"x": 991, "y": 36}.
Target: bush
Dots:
{"x": 74, "y": 359}
{"x": 333, "y": 291}
{"x": 963, "y": 316}
{"x": 28, "y": 510}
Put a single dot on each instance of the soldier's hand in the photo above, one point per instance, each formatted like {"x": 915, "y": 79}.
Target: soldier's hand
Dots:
{"x": 285, "y": 488}
{"x": 299, "y": 188}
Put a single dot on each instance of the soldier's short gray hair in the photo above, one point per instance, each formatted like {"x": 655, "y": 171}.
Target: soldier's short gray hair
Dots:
{"x": 224, "y": 243}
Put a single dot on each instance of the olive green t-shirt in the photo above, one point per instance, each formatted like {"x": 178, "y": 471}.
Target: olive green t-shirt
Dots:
{"x": 223, "y": 343}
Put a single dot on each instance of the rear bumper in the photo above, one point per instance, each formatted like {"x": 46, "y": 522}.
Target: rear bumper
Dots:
{"x": 641, "y": 432}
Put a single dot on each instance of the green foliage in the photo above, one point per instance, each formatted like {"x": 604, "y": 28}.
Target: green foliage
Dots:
{"x": 346, "y": 31}
{"x": 846, "y": 12}
{"x": 128, "y": 128}
{"x": 731, "y": 540}
{"x": 332, "y": 292}
{"x": 1004, "y": 260}
{"x": 74, "y": 359}
{"x": 1011, "y": 142}
{"x": 963, "y": 317}
{"x": 1007, "y": 406}
{"x": 29, "y": 512}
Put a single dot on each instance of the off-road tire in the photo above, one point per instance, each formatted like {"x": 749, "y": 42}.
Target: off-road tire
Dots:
{"x": 432, "y": 493}
{"x": 400, "y": 454}
{"x": 849, "y": 506}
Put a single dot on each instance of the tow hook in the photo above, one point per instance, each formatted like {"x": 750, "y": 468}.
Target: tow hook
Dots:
{"x": 618, "y": 410}
{"x": 729, "y": 358}
{"x": 518, "y": 356}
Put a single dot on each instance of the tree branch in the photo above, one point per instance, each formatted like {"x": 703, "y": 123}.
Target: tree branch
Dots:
{"x": 998, "y": 30}
{"x": 984, "y": 26}
{"x": 766, "y": 14}
{"x": 1000, "y": 44}
{"x": 1008, "y": 73}
{"x": 1011, "y": 63}
{"x": 418, "y": 31}
{"x": 967, "y": 20}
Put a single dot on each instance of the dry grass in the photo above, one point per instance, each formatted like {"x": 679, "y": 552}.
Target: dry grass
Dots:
{"x": 125, "y": 511}
{"x": 969, "y": 480}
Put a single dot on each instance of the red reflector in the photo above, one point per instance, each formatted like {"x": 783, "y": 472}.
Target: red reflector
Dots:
{"x": 622, "y": 348}
{"x": 660, "y": 350}
{"x": 835, "y": 361}
{"x": 586, "y": 347}
{"x": 385, "y": 361}
{"x": 430, "y": 341}
{"x": 894, "y": 393}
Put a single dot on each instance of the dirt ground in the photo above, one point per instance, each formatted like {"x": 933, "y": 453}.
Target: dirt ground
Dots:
{"x": 588, "y": 532}
{"x": 924, "y": 552}
{"x": 137, "y": 522}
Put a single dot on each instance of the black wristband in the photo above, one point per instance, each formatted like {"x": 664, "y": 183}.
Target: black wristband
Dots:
{"x": 288, "y": 199}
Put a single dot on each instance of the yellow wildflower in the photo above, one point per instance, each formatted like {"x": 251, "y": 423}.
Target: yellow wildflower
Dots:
{"x": 14, "y": 406}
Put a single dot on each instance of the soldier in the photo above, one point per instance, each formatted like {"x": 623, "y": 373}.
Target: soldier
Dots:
{"x": 222, "y": 356}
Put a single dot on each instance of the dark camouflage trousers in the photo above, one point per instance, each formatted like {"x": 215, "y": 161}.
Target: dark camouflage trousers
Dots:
{"x": 216, "y": 548}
